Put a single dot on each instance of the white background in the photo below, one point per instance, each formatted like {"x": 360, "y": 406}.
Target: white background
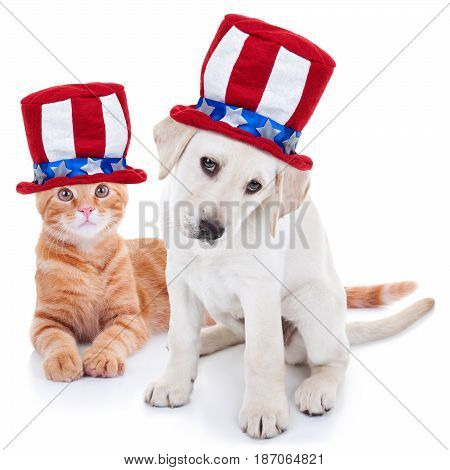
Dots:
{"x": 380, "y": 179}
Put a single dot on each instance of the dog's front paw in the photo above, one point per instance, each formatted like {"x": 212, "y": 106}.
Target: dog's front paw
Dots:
{"x": 63, "y": 366}
{"x": 168, "y": 392}
{"x": 264, "y": 420}
{"x": 102, "y": 363}
{"x": 315, "y": 396}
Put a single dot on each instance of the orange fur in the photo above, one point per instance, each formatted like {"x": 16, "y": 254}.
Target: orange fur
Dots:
{"x": 378, "y": 295}
{"x": 93, "y": 286}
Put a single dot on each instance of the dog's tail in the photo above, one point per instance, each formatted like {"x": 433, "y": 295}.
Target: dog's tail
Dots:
{"x": 363, "y": 332}
{"x": 378, "y": 295}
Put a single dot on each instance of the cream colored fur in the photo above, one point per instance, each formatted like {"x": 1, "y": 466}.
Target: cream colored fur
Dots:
{"x": 258, "y": 284}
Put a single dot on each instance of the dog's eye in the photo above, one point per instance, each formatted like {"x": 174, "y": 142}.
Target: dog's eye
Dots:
{"x": 101, "y": 190}
{"x": 208, "y": 165}
{"x": 65, "y": 194}
{"x": 253, "y": 187}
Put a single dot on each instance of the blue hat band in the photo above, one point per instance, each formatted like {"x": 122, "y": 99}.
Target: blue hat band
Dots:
{"x": 74, "y": 167}
{"x": 251, "y": 122}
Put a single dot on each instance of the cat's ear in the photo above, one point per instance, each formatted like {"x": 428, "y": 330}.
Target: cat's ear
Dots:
{"x": 171, "y": 139}
{"x": 291, "y": 188}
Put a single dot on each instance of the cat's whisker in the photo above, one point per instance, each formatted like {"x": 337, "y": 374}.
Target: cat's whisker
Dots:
{"x": 54, "y": 238}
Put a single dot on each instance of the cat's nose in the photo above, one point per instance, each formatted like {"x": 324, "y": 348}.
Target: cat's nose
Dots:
{"x": 87, "y": 211}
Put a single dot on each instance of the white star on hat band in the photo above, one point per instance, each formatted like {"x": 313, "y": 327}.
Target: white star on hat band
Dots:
{"x": 92, "y": 167}
{"x": 61, "y": 170}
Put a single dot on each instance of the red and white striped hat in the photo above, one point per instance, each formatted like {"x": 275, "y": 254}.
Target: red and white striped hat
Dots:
{"x": 78, "y": 134}
{"x": 259, "y": 84}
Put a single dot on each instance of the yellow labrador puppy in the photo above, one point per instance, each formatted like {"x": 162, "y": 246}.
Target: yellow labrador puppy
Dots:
{"x": 246, "y": 243}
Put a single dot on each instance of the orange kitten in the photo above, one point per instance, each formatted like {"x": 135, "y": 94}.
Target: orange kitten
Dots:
{"x": 93, "y": 286}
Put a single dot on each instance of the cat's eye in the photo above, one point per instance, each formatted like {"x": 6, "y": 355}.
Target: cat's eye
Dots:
{"x": 253, "y": 187}
{"x": 209, "y": 166}
{"x": 101, "y": 190}
{"x": 65, "y": 194}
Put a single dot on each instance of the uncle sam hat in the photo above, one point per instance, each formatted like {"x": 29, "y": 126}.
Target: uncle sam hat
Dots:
{"x": 259, "y": 84}
{"x": 78, "y": 134}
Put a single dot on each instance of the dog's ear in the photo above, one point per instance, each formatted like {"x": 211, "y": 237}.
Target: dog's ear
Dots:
{"x": 291, "y": 188}
{"x": 171, "y": 139}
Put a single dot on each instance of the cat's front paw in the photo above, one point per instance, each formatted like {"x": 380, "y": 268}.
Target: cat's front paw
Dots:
{"x": 63, "y": 366}
{"x": 102, "y": 362}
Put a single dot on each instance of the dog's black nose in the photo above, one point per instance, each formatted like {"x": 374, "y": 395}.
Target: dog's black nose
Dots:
{"x": 210, "y": 230}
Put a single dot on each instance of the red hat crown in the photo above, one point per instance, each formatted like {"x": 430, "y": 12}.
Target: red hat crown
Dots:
{"x": 78, "y": 134}
{"x": 260, "y": 84}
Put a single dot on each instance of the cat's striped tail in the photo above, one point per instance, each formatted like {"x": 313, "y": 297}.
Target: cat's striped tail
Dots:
{"x": 378, "y": 295}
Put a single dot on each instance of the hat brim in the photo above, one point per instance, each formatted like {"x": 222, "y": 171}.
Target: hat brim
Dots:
{"x": 192, "y": 117}
{"x": 128, "y": 176}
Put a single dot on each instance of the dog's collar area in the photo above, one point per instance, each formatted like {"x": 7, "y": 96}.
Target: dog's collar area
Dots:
{"x": 251, "y": 122}
{"x": 73, "y": 167}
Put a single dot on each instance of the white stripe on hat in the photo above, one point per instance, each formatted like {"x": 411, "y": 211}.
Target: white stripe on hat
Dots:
{"x": 285, "y": 86}
{"x": 57, "y": 130}
{"x": 221, "y": 63}
{"x": 115, "y": 126}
